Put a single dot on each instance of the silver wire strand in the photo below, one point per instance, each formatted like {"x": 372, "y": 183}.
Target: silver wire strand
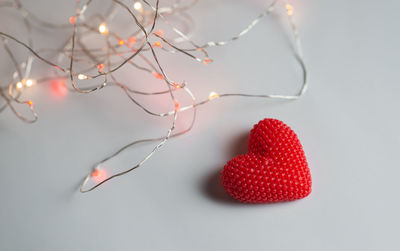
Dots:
{"x": 138, "y": 53}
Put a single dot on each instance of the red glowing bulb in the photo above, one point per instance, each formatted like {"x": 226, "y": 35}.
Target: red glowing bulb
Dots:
{"x": 176, "y": 86}
{"x": 157, "y": 44}
{"x": 58, "y": 88}
{"x": 177, "y": 105}
{"x": 159, "y": 33}
{"x": 132, "y": 40}
{"x": 72, "y": 19}
{"x": 206, "y": 61}
{"x": 100, "y": 67}
{"x": 30, "y": 103}
{"x": 157, "y": 75}
{"x": 96, "y": 173}
{"x": 121, "y": 42}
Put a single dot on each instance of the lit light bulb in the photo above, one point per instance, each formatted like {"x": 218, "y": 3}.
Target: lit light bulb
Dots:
{"x": 289, "y": 9}
{"x": 103, "y": 29}
{"x": 213, "y": 95}
{"x": 96, "y": 173}
{"x": 59, "y": 88}
{"x": 82, "y": 76}
{"x": 19, "y": 85}
{"x": 206, "y": 61}
{"x": 177, "y": 105}
{"x": 30, "y": 103}
{"x": 157, "y": 44}
{"x": 100, "y": 67}
{"x": 132, "y": 40}
{"x": 72, "y": 19}
{"x": 29, "y": 82}
{"x": 159, "y": 33}
{"x": 138, "y": 6}
{"x": 121, "y": 42}
{"x": 157, "y": 75}
{"x": 176, "y": 86}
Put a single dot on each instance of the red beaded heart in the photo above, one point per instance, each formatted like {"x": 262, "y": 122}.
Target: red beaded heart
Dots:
{"x": 274, "y": 170}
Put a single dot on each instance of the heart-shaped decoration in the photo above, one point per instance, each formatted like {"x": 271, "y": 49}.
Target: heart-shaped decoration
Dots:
{"x": 274, "y": 170}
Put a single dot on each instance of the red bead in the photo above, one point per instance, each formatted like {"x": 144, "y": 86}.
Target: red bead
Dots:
{"x": 275, "y": 169}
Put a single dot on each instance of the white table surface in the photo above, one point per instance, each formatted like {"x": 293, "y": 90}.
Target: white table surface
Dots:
{"x": 348, "y": 123}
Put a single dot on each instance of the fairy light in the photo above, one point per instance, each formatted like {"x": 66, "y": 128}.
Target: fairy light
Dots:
{"x": 72, "y": 19}
{"x": 289, "y": 9}
{"x": 131, "y": 41}
{"x": 86, "y": 56}
{"x": 100, "y": 67}
{"x": 103, "y": 29}
{"x": 157, "y": 44}
{"x": 159, "y": 33}
{"x": 157, "y": 75}
{"x": 19, "y": 85}
{"x": 206, "y": 61}
{"x": 177, "y": 105}
{"x": 138, "y": 6}
{"x": 213, "y": 95}
{"x": 59, "y": 88}
{"x": 96, "y": 173}
{"x": 29, "y": 103}
{"x": 82, "y": 76}
{"x": 29, "y": 82}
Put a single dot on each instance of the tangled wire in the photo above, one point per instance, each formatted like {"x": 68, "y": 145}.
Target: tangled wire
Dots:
{"x": 80, "y": 59}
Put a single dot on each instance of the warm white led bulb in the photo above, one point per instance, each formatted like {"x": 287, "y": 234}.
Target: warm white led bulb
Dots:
{"x": 19, "y": 85}
{"x": 213, "y": 95}
{"x": 29, "y": 82}
{"x": 138, "y": 6}
{"x": 103, "y": 29}
{"x": 82, "y": 76}
{"x": 289, "y": 9}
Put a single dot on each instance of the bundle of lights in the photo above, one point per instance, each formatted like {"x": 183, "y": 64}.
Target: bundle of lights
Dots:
{"x": 80, "y": 60}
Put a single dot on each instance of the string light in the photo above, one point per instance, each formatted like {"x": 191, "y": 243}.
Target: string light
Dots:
{"x": 177, "y": 105}
{"x": 131, "y": 41}
{"x": 96, "y": 173}
{"x": 72, "y": 19}
{"x": 100, "y": 67}
{"x": 289, "y": 9}
{"x": 30, "y": 103}
{"x": 213, "y": 95}
{"x": 58, "y": 87}
{"x": 157, "y": 75}
{"x": 159, "y": 33}
{"x": 82, "y": 76}
{"x": 19, "y": 85}
{"x": 86, "y": 57}
{"x": 157, "y": 44}
{"x": 206, "y": 61}
{"x": 29, "y": 82}
{"x": 138, "y": 6}
{"x": 103, "y": 29}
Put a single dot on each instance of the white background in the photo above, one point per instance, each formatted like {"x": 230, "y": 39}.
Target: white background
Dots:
{"x": 348, "y": 123}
